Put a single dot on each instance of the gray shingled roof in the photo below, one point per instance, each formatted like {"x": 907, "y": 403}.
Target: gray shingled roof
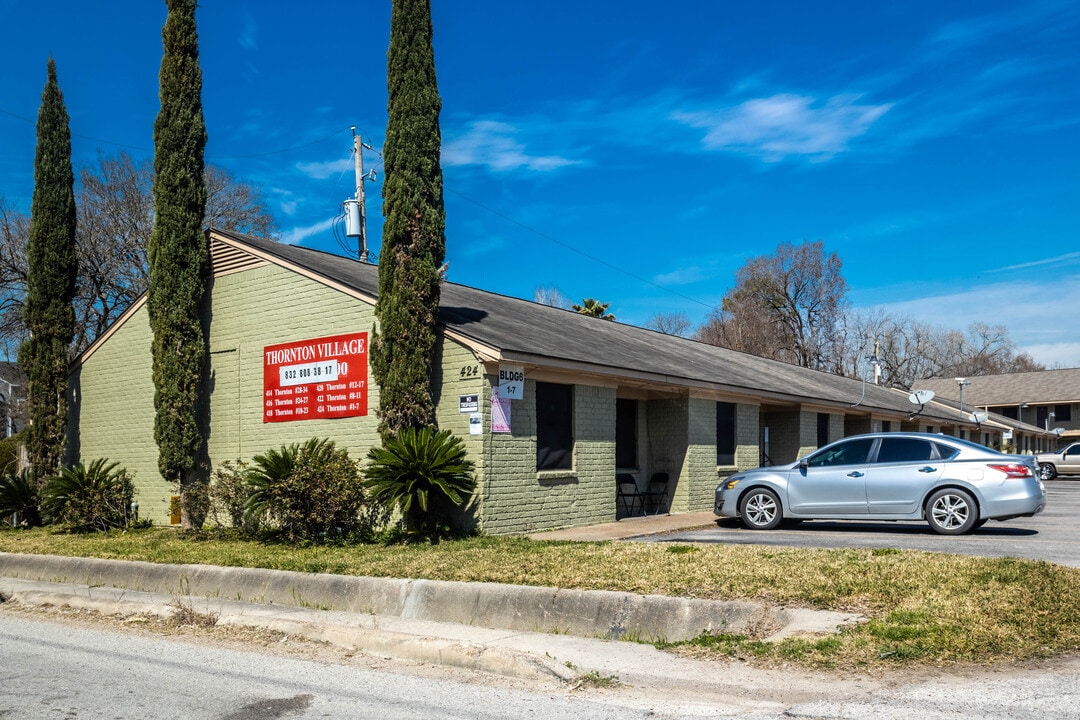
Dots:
{"x": 530, "y": 332}
{"x": 1042, "y": 387}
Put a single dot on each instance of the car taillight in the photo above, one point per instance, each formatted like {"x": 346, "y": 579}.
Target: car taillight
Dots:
{"x": 1013, "y": 470}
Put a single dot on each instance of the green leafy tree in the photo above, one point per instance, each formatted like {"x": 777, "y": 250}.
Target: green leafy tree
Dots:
{"x": 50, "y": 283}
{"x": 423, "y": 474}
{"x": 593, "y": 308}
{"x": 413, "y": 241}
{"x": 178, "y": 252}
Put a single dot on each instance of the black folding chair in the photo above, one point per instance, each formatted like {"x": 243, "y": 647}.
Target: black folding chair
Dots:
{"x": 656, "y": 494}
{"x": 628, "y": 494}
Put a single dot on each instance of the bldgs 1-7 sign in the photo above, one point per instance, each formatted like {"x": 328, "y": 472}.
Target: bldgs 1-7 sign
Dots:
{"x": 316, "y": 379}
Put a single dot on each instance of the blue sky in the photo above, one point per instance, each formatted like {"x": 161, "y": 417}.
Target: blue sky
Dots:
{"x": 637, "y": 152}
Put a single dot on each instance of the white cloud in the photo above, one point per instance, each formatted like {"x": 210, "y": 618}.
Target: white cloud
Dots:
{"x": 781, "y": 126}
{"x": 247, "y": 36}
{"x": 1067, "y": 258}
{"x": 682, "y": 276}
{"x": 1055, "y": 355}
{"x": 323, "y": 170}
{"x": 496, "y": 146}
{"x": 294, "y": 236}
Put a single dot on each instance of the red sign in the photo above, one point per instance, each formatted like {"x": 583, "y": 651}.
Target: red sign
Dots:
{"x": 316, "y": 379}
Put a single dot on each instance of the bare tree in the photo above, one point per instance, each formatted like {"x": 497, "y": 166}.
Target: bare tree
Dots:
{"x": 984, "y": 350}
{"x": 14, "y": 230}
{"x": 237, "y": 205}
{"x": 115, "y": 216}
{"x": 910, "y": 350}
{"x": 785, "y": 306}
{"x": 551, "y": 295}
{"x": 670, "y": 324}
{"x": 905, "y": 350}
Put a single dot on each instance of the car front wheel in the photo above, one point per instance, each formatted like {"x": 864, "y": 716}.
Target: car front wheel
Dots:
{"x": 760, "y": 509}
{"x": 1047, "y": 471}
{"x": 951, "y": 512}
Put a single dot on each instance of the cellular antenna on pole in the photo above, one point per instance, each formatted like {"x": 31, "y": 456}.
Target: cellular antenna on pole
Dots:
{"x": 355, "y": 208}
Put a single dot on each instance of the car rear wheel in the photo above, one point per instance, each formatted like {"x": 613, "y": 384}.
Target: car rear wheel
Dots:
{"x": 951, "y": 512}
{"x": 1047, "y": 471}
{"x": 760, "y": 509}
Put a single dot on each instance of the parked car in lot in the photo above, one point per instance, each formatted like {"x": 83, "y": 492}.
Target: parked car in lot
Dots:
{"x": 1062, "y": 462}
{"x": 952, "y": 484}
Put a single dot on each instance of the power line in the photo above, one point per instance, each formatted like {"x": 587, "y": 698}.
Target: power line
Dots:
{"x": 595, "y": 259}
{"x": 208, "y": 157}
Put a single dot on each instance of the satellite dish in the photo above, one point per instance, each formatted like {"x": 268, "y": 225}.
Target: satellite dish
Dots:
{"x": 921, "y": 397}
{"x": 1058, "y": 431}
{"x": 979, "y": 416}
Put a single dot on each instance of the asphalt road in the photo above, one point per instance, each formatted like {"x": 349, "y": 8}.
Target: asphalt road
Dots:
{"x": 59, "y": 671}
{"x": 1052, "y": 535}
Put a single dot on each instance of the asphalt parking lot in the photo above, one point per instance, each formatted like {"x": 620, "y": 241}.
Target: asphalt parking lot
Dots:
{"x": 1052, "y": 535}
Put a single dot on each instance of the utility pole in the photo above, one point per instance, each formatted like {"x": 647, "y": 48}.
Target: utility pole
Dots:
{"x": 358, "y": 158}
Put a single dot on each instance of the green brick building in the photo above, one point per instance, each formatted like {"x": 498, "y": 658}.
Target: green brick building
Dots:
{"x": 580, "y": 399}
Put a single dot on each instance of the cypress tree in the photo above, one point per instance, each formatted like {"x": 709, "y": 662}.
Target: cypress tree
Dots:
{"x": 178, "y": 251}
{"x": 413, "y": 241}
{"x": 50, "y": 285}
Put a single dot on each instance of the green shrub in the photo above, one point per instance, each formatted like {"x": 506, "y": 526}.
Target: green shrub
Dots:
{"x": 311, "y": 492}
{"x": 227, "y": 492}
{"x": 423, "y": 474}
{"x": 84, "y": 498}
{"x": 19, "y": 499}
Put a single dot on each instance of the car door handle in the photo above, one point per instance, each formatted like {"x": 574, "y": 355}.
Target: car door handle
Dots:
{"x": 928, "y": 469}
{"x": 855, "y": 473}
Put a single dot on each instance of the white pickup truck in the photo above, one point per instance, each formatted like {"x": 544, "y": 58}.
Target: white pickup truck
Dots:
{"x": 1063, "y": 462}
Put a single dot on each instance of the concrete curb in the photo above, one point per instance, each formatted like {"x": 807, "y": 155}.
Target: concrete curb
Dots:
{"x": 585, "y": 613}
{"x": 388, "y": 638}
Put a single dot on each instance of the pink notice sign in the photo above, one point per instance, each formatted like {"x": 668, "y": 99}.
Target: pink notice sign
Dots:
{"x": 500, "y": 412}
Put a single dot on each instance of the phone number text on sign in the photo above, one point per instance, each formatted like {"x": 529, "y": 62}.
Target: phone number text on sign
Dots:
{"x": 315, "y": 379}
{"x": 312, "y": 372}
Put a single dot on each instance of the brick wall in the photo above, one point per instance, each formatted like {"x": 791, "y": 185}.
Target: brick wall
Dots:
{"x": 111, "y": 413}
{"x": 697, "y": 481}
{"x": 114, "y": 409}
{"x": 517, "y": 498}
{"x": 748, "y": 436}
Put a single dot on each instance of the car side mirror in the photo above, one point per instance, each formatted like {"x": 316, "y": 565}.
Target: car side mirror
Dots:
{"x": 803, "y": 464}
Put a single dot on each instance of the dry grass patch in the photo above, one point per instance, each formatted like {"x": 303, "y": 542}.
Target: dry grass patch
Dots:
{"x": 924, "y": 607}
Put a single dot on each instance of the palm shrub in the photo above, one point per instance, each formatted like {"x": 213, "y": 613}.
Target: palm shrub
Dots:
{"x": 19, "y": 498}
{"x": 311, "y": 492}
{"x": 84, "y": 498}
{"x": 423, "y": 474}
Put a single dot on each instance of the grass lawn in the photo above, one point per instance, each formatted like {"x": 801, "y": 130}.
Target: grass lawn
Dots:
{"x": 925, "y": 608}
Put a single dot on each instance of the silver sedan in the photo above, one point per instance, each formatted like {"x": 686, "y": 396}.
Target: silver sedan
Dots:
{"x": 953, "y": 484}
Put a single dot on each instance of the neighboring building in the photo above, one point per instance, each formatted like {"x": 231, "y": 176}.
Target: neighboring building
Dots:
{"x": 1042, "y": 401}
{"x": 12, "y": 398}
{"x": 551, "y": 404}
